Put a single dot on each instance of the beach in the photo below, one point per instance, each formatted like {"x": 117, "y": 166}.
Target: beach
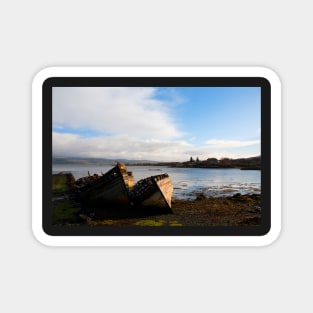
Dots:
{"x": 238, "y": 210}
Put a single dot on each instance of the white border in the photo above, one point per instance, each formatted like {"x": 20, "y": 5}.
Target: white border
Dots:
{"x": 270, "y": 237}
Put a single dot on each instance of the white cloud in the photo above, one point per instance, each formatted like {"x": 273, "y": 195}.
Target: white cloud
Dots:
{"x": 226, "y": 144}
{"x": 119, "y": 146}
{"x": 226, "y": 149}
{"x": 114, "y": 110}
{"x": 130, "y": 147}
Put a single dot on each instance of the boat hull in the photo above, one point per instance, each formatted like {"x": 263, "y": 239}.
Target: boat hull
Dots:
{"x": 155, "y": 191}
{"x": 162, "y": 196}
{"x": 109, "y": 190}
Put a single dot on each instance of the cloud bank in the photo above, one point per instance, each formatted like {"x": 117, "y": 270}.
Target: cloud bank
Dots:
{"x": 114, "y": 111}
{"x": 120, "y": 146}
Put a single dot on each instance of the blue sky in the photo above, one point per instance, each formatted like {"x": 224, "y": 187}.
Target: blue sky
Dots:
{"x": 166, "y": 124}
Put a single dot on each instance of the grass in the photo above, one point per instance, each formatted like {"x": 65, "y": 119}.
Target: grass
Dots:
{"x": 150, "y": 223}
{"x": 61, "y": 182}
{"x": 175, "y": 223}
{"x": 64, "y": 213}
{"x": 125, "y": 222}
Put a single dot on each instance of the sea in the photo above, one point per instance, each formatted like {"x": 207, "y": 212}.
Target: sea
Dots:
{"x": 188, "y": 183}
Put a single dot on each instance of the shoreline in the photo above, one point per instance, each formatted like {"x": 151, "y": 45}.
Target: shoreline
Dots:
{"x": 238, "y": 210}
{"x": 174, "y": 165}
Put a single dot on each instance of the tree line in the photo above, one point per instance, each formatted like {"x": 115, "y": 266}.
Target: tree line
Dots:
{"x": 243, "y": 163}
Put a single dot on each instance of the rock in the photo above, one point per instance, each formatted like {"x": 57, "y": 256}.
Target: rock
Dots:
{"x": 200, "y": 196}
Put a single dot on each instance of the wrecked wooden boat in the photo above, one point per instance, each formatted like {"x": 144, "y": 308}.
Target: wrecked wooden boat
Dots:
{"x": 116, "y": 190}
{"x": 108, "y": 190}
{"x": 154, "y": 191}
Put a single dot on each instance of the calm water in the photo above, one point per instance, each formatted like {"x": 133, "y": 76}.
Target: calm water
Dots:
{"x": 186, "y": 181}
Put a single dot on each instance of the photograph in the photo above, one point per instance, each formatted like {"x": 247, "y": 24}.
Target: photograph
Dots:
{"x": 164, "y": 156}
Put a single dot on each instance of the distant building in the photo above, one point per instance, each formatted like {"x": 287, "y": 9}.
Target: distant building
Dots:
{"x": 212, "y": 161}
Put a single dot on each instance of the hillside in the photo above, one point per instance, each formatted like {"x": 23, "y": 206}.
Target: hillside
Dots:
{"x": 243, "y": 163}
{"x": 95, "y": 161}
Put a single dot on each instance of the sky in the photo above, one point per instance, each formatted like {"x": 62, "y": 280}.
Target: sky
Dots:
{"x": 158, "y": 124}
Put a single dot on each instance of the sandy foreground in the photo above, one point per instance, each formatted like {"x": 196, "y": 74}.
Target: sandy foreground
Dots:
{"x": 238, "y": 210}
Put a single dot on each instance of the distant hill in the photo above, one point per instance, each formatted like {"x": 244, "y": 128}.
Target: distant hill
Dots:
{"x": 96, "y": 161}
{"x": 253, "y": 163}
{"x": 243, "y": 163}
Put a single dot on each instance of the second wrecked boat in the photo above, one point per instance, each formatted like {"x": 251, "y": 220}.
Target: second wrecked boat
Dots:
{"x": 154, "y": 191}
